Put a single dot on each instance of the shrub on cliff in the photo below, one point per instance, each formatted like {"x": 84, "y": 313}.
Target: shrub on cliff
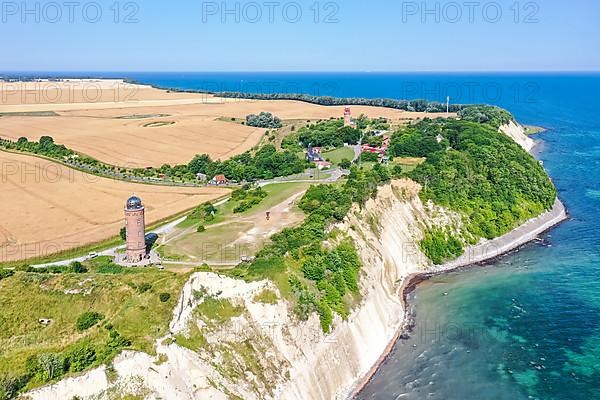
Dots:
{"x": 6, "y": 273}
{"x": 87, "y": 320}
{"x": 164, "y": 297}
{"x": 441, "y": 246}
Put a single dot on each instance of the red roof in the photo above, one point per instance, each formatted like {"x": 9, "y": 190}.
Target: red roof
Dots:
{"x": 220, "y": 178}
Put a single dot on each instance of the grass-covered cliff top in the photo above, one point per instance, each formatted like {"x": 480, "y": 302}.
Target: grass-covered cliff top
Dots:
{"x": 468, "y": 166}
{"x": 91, "y": 311}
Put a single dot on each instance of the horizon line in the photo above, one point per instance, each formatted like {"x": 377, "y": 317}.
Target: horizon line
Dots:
{"x": 298, "y": 71}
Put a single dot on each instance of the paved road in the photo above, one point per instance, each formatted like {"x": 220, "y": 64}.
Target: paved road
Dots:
{"x": 357, "y": 151}
{"x": 333, "y": 175}
{"x": 113, "y": 250}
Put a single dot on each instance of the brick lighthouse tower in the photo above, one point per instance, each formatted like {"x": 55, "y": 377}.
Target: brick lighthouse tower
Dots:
{"x": 347, "y": 117}
{"x": 135, "y": 228}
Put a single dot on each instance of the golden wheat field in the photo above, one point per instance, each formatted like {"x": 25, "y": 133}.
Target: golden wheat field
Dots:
{"x": 125, "y": 124}
{"x": 48, "y": 208}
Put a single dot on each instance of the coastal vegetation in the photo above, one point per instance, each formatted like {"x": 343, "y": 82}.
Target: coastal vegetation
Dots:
{"x": 440, "y": 245}
{"x": 472, "y": 168}
{"x": 485, "y": 114}
{"x": 314, "y": 269}
{"x": 247, "y": 198}
{"x": 6, "y": 273}
{"x": 265, "y": 163}
{"x": 330, "y": 133}
{"x": 406, "y": 105}
{"x": 267, "y": 296}
{"x": 263, "y": 120}
{"x": 88, "y": 319}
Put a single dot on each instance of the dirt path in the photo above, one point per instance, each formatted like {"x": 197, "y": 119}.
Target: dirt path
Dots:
{"x": 281, "y": 216}
{"x": 237, "y": 232}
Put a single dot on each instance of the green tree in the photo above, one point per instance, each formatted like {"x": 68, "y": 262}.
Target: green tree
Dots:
{"x": 51, "y": 366}
{"x": 78, "y": 267}
{"x": 345, "y": 163}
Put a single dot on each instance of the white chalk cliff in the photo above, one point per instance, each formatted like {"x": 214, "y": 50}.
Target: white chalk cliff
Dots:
{"x": 517, "y": 133}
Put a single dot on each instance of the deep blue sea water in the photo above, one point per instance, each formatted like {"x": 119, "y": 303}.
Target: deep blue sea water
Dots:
{"x": 526, "y": 327}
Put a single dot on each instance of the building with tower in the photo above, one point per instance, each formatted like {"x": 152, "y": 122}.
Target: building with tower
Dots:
{"x": 135, "y": 229}
{"x": 347, "y": 117}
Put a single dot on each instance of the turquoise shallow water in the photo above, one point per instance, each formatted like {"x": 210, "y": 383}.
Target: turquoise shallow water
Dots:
{"x": 527, "y": 326}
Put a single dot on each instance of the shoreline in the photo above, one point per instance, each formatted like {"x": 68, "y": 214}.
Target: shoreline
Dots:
{"x": 506, "y": 244}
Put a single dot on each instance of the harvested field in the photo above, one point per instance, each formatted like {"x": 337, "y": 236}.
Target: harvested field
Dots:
{"x": 116, "y": 127}
{"x": 49, "y": 208}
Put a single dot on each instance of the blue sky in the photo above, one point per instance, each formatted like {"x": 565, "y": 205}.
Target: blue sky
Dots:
{"x": 349, "y": 35}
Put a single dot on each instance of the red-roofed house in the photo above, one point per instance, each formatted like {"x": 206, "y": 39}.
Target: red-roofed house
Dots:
{"x": 218, "y": 180}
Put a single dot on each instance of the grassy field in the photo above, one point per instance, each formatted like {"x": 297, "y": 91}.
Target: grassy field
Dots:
{"x": 276, "y": 193}
{"x": 336, "y": 156}
{"x": 127, "y": 298}
{"x": 408, "y": 164}
{"x": 230, "y": 236}
{"x": 215, "y": 245}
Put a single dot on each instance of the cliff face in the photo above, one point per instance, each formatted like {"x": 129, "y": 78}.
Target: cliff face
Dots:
{"x": 517, "y": 133}
{"x": 385, "y": 232}
{"x": 298, "y": 361}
